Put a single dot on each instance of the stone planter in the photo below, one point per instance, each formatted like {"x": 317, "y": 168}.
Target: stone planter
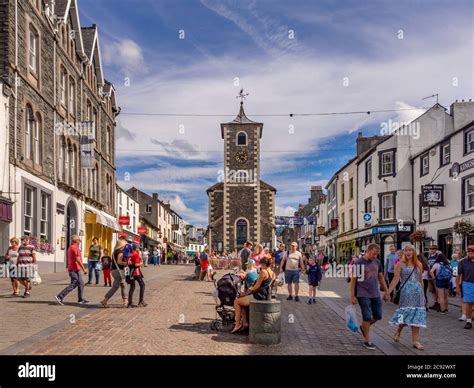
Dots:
{"x": 265, "y": 322}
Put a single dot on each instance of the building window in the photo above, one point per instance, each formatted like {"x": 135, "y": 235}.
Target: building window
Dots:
{"x": 425, "y": 214}
{"x": 66, "y": 164}
{"x": 388, "y": 210}
{"x": 62, "y": 86}
{"x": 333, "y": 191}
{"x": 149, "y": 208}
{"x": 61, "y": 160}
{"x": 44, "y": 219}
{"x": 242, "y": 139}
{"x": 95, "y": 126}
{"x": 343, "y": 219}
{"x": 468, "y": 190}
{"x": 387, "y": 163}
{"x": 368, "y": 171}
{"x": 445, "y": 154}
{"x": 30, "y": 128}
{"x": 351, "y": 218}
{"x": 73, "y": 166}
{"x": 107, "y": 142}
{"x": 424, "y": 165}
{"x": 368, "y": 205}
{"x": 72, "y": 95}
{"x": 29, "y": 195}
{"x": 241, "y": 228}
{"x": 469, "y": 142}
{"x": 351, "y": 188}
{"x": 342, "y": 193}
{"x": 33, "y": 51}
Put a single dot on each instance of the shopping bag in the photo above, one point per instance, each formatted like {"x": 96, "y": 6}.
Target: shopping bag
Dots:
{"x": 36, "y": 277}
{"x": 98, "y": 267}
{"x": 351, "y": 318}
{"x": 281, "y": 279}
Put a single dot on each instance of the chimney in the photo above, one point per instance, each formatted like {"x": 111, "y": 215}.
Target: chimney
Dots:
{"x": 155, "y": 196}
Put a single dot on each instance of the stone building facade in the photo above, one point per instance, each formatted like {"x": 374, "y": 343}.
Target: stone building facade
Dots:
{"x": 241, "y": 206}
{"x": 52, "y": 66}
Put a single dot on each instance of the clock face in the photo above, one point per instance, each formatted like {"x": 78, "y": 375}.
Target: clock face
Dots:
{"x": 241, "y": 156}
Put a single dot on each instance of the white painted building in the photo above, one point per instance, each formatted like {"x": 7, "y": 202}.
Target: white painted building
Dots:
{"x": 127, "y": 206}
{"x": 447, "y": 164}
{"x": 385, "y": 184}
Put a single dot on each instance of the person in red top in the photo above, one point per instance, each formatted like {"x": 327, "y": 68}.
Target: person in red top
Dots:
{"x": 134, "y": 265}
{"x": 74, "y": 266}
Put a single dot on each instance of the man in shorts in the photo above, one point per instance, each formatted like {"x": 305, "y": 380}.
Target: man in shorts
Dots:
{"x": 365, "y": 290}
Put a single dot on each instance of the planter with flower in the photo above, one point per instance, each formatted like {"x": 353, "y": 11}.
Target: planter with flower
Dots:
{"x": 42, "y": 245}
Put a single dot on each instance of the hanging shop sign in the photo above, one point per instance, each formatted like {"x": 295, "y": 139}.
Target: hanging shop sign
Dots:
{"x": 432, "y": 196}
{"x": 124, "y": 220}
{"x": 458, "y": 168}
{"x": 142, "y": 230}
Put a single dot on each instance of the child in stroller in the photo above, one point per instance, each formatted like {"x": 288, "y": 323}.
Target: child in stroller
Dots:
{"x": 227, "y": 289}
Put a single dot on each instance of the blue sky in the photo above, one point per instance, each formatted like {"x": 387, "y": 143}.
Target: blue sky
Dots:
{"x": 391, "y": 53}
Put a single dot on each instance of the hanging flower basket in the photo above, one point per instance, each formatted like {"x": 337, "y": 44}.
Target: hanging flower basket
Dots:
{"x": 418, "y": 235}
{"x": 462, "y": 227}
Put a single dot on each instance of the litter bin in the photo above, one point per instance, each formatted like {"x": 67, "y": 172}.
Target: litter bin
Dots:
{"x": 265, "y": 322}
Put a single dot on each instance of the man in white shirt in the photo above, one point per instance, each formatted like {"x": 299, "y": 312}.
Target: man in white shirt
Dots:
{"x": 292, "y": 265}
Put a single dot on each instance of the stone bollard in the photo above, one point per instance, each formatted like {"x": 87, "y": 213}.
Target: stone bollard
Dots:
{"x": 265, "y": 322}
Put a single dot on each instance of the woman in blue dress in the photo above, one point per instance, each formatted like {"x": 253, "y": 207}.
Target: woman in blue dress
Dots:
{"x": 411, "y": 311}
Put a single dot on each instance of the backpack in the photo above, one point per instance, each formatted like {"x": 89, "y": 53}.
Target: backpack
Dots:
{"x": 445, "y": 272}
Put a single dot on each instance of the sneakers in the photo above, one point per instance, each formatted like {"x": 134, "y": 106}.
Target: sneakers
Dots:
{"x": 84, "y": 301}
{"x": 468, "y": 325}
{"x": 314, "y": 300}
{"x": 310, "y": 301}
{"x": 59, "y": 300}
{"x": 132, "y": 306}
{"x": 369, "y": 345}
{"x": 462, "y": 318}
{"x": 289, "y": 298}
{"x": 26, "y": 295}
{"x": 297, "y": 299}
{"x": 142, "y": 304}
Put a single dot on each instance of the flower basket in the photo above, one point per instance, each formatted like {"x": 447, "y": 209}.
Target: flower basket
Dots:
{"x": 417, "y": 236}
{"x": 462, "y": 227}
{"x": 42, "y": 246}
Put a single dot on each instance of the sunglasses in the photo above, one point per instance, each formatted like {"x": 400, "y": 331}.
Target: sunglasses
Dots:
{"x": 470, "y": 250}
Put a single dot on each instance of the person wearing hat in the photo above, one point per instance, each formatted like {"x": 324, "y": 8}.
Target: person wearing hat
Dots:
{"x": 135, "y": 263}
{"x": 432, "y": 258}
{"x": 465, "y": 285}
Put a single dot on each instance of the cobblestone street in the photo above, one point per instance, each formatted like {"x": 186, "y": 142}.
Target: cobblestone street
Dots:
{"x": 177, "y": 322}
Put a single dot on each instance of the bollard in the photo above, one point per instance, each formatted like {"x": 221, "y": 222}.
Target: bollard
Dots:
{"x": 265, "y": 322}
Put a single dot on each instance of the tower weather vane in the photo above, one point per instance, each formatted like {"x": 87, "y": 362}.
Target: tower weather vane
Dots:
{"x": 242, "y": 96}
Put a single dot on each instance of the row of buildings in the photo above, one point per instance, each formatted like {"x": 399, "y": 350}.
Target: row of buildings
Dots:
{"x": 57, "y": 138}
{"x": 412, "y": 183}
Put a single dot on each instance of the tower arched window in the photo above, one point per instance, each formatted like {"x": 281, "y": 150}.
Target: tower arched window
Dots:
{"x": 242, "y": 139}
{"x": 241, "y": 231}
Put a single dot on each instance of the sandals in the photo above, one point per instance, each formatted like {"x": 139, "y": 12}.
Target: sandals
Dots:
{"x": 16, "y": 294}
{"x": 241, "y": 330}
{"x": 418, "y": 346}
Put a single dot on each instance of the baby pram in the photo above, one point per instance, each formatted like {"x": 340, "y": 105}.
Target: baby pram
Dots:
{"x": 227, "y": 289}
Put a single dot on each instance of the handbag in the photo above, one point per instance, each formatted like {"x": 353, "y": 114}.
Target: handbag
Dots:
{"x": 98, "y": 267}
{"x": 36, "y": 277}
{"x": 396, "y": 294}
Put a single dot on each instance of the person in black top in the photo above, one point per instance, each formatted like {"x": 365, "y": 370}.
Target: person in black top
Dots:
{"x": 117, "y": 266}
{"x": 260, "y": 290}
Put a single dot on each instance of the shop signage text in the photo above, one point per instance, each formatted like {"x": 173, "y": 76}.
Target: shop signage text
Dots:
{"x": 432, "y": 195}
{"x": 124, "y": 220}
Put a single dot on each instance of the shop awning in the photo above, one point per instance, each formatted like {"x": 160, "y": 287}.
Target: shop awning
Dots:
{"x": 99, "y": 217}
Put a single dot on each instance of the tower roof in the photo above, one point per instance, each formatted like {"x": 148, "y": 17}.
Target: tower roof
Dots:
{"x": 241, "y": 118}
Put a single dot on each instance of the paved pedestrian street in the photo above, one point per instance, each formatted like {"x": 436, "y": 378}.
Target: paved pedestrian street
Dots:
{"x": 177, "y": 322}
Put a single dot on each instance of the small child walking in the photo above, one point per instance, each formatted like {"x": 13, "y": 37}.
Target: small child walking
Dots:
{"x": 106, "y": 261}
{"x": 314, "y": 277}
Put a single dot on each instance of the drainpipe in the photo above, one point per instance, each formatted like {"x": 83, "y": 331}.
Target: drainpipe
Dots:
{"x": 15, "y": 121}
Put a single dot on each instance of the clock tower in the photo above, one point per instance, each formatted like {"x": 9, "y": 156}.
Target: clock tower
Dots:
{"x": 241, "y": 206}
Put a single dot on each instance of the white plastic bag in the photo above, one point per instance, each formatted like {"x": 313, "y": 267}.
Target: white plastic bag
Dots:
{"x": 36, "y": 277}
{"x": 351, "y": 318}
{"x": 281, "y": 279}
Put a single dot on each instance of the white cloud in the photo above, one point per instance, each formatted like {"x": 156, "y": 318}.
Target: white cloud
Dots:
{"x": 125, "y": 54}
{"x": 285, "y": 211}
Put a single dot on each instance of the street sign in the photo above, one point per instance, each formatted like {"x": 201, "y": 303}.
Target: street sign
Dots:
{"x": 142, "y": 230}
{"x": 136, "y": 240}
{"x": 124, "y": 220}
{"x": 432, "y": 196}
{"x": 367, "y": 217}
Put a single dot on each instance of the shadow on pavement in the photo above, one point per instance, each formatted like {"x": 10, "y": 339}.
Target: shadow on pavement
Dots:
{"x": 53, "y": 303}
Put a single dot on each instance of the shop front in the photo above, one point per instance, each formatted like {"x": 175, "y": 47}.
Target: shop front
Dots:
{"x": 346, "y": 248}
{"x": 100, "y": 225}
